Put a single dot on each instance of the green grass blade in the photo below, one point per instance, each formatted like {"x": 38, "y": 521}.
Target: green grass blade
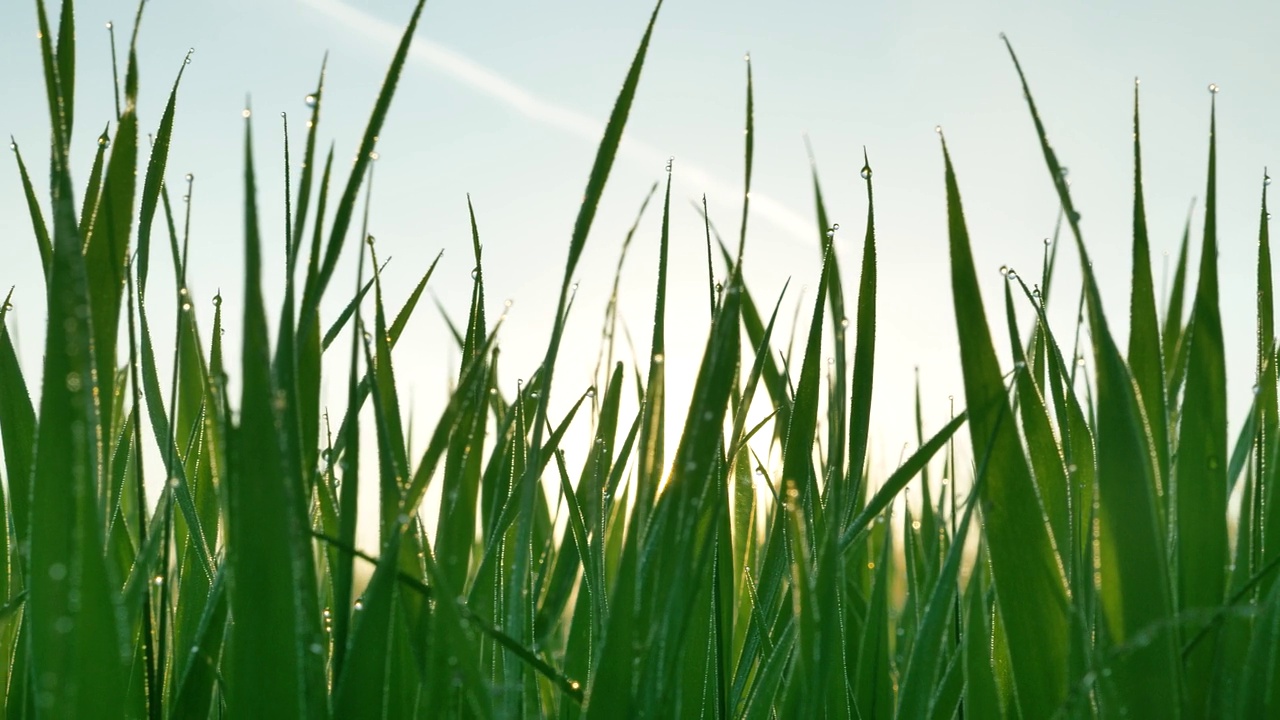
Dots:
{"x": 652, "y": 428}
{"x": 898, "y": 480}
{"x": 1268, "y": 403}
{"x": 1028, "y": 575}
{"x": 1145, "y": 358}
{"x": 1172, "y": 330}
{"x": 266, "y": 538}
{"x": 1200, "y": 484}
{"x": 365, "y": 684}
{"x": 17, "y": 432}
{"x": 38, "y": 225}
{"x": 1135, "y": 582}
{"x": 77, "y": 646}
{"x": 345, "y": 211}
{"x": 155, "y": 178}
{"x": 863, "y": 354}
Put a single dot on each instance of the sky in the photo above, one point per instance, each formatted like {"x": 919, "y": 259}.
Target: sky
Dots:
{"x": 506, "y": 101}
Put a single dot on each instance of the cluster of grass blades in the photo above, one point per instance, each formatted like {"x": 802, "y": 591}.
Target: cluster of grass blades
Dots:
{"x": 1103, "y": 582}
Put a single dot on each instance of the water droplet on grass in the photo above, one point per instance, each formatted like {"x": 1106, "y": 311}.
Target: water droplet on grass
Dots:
{"x": 937, "y": 129}
{"x": 246, "y": 113}
{"x": 1213, "y": 88}
{"x": 110, "y": 24}
{"x": 310, "y": 101}
{"x": 591, "y": 391}
{"x": 158, "y": 580}
{"x": 866, "y": 172}
{"x": 475, "y": 273}
{"x": 1004, "y": 270}
{"x": 57, "y": 571}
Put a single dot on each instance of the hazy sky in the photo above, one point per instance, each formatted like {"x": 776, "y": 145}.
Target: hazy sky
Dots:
{"x": 505, "y": 101}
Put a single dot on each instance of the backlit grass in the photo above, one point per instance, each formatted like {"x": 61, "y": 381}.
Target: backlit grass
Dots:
{"x": 1084, "y": 565}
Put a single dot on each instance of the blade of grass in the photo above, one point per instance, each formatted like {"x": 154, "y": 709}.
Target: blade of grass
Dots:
{"x": 1027, "y": 573}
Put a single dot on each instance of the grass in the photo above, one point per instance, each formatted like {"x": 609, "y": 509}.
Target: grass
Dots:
{"x": 1085, "y": 565}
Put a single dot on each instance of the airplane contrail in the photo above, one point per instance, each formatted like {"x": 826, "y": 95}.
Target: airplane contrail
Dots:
{"x": 487, "y": 82}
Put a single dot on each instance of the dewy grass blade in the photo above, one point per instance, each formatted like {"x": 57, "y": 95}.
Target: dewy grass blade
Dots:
{"x": 1027, "y": 573}
{"x": 863, "y": 354}
{"x": 155, "y": 177}
{"x": 1268, "y": 471}
{"x": 345, "y": 211}
{"x": 93, "y": 189}
{"x": 38, "y": 226}
{"x": 651, "y": 461}
{"x": 1135, "y": 584}
{"x": 267, "y": 544}
{"x": 1200, "y": 484}
{"x": 1145, "y": 358}
{"x": 76, "y": 644}
{"x": 17, "y": 433}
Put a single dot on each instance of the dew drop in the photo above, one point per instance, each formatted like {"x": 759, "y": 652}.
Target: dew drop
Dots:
{"x": 937, "y": 129}
{"x": 746, "y": 57}
{"x": 316, "y": 648}
{"x": 359, "y": 605}
{"x": 186, "y": 198}
{"x": 110, "y": 24}
{"x": 1004, "y": 270}
{"x": 1266, "y": 180}
{"x": 283, "y": 114}
{"x": 64, "y": 624}
{"x": 844, "y": 322}
{"x": 573, "y": 684}
{"x": 57, "y": 571}
{"x": 719, "y": 287}
{"x": 217, "y": 301}
{"x": 915, "y": 524}
{"x": 591, "y": 391}
{"x": 658, "y": 358}
{"x": 245, "y": 113}
{"x": 104, "y": 142}
{"x": 190, "y": 177}
{"x": 73, "y": 382}
{"x": 871, "y": 566}
{"x": 310, "y": 101}
{"x": 174, "y": 482}
{"x": 533, "y": 393}
{"x": 13, "y": 146}
{"x": 373, "y": 155}
{"x": 475, "y": 273}
{"x": 157, "y": 580}
{"x": 1213, "y": 88}
{"x": 866, "y": 172}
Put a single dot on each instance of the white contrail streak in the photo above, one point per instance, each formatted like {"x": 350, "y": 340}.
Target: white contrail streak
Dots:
{"x": 487, "y": 82}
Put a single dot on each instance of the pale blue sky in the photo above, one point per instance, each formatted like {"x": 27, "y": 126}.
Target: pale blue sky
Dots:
{"x": 501, "y": 99}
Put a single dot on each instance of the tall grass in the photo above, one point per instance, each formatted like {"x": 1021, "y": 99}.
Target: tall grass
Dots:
{"x": 1085, "y": 565}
